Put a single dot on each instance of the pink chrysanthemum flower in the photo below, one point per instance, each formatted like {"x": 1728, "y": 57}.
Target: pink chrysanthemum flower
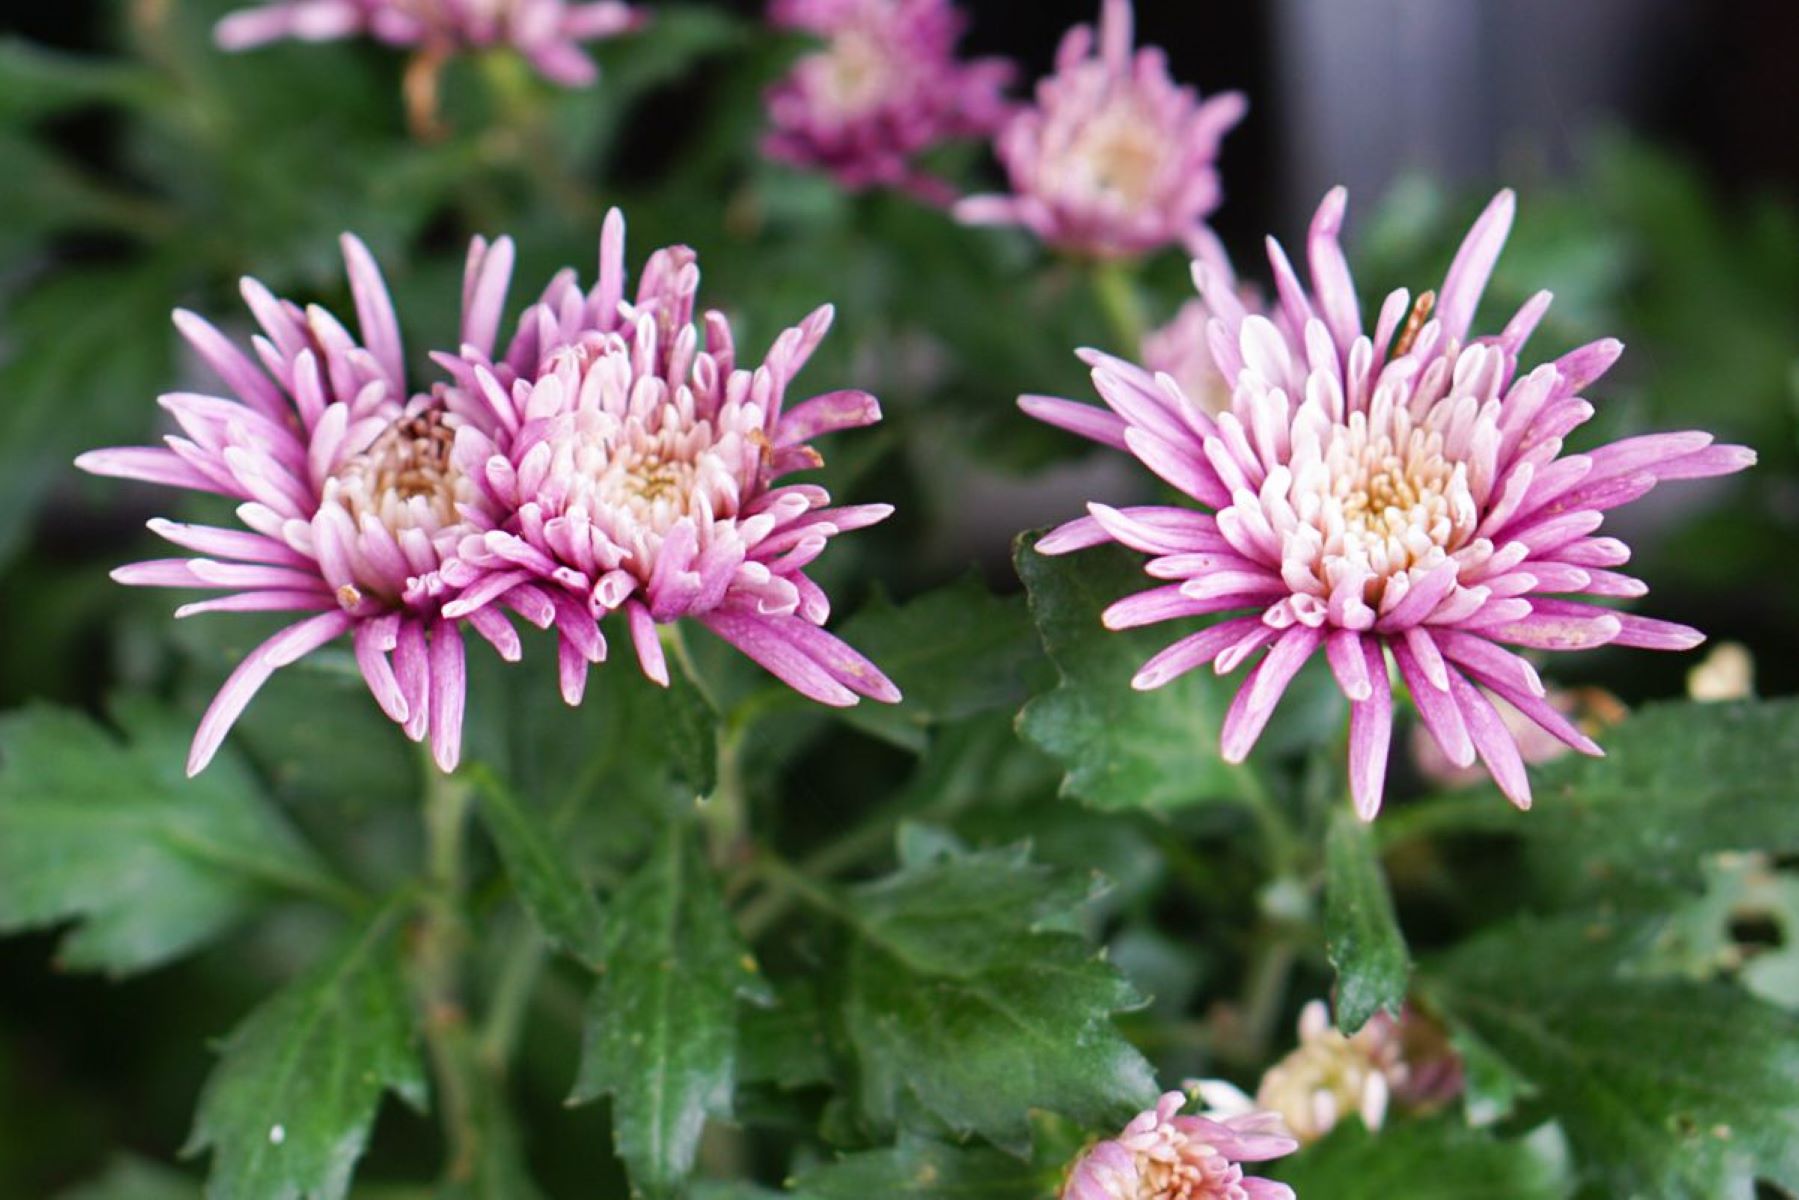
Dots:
{"x": 1115, "y": 159}
{"x": 349, "y": 499}
{"x": 1403, "y": 494}
{"x": 886, "y": 88}
{"x": 1164, "y": 1156}
{"x": 548, "y": 33}
{"x": 643, "y": 468}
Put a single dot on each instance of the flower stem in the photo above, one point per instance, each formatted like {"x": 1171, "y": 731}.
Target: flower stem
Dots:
{"x": 1264, "y": 992}
{"x": 1115, "y": 286}
{"x": 512, "y": 995}
{"x": 436, "y": 971}
{"x": 790, "y": 881}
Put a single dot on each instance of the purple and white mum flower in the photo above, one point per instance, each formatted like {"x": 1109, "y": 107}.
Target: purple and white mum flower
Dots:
{"x": 548, "y": 33}
{"x": 643, "y": 474}
{"x": 1115, "y": 159}
{"x": 350, "y": 502}
{"x": 1398, "y": 494}
{"x": 1162, "y": 1155}
{"x": 885, "y": 88}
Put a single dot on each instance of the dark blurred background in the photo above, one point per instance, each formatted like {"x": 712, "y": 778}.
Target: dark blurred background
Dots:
{"x": 1361, "y": 92}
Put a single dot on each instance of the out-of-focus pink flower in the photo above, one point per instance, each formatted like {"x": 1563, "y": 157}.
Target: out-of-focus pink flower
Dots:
{"x": 1182, "y": 351}
{"x": 350, "y": 502}
{"x": 1329, "y": 1075}
{"x": 1592, "y": 710}
{"x": 548, "y": 33}
{"x": 1161, "y": 1155}
{"x": 642, "y": 470}
{"x": 1115, "y": 159}
{"x": 886, "y": 88}
{"x": 1398, "y": 494}
{"x": 1405, "y": 1062}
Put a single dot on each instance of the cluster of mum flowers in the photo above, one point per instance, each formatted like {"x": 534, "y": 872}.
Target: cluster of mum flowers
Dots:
{"x": 1395, "y": 495}
{"x": 606, "y": 462}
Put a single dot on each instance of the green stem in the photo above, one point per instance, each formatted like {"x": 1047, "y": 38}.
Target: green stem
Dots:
{"x": 872, "y": 836}
{"x": 1278, "y": 836}
{"x": 1115, "y": 286}
{"x": 726, "y": 810}
{"x": 512, "y": 993}
{"x": 789, "y": 881}
{"x": 1264, "y": 993}
{"x": 436, "y": 969}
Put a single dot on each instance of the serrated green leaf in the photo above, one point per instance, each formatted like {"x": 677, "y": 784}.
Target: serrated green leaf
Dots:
{"x": 954, "y": 652}
{"x": 111, "y": 834}
{"x": 1670, "y": 1089}
{"x": 1699, "y": 938}
{"x": 133, "y": 1178}
{"x": 959, "y": 998}
{"x": 287, "y": 1111}
{"x": 551, "y": 889}
{"x": 661, "y": 1030}
{"x": 1435, "y": 1160}
{"x": 925, "y": 1169}
{"x": 1361, "y": 932}
{"x": 1679, "y": 782}
{"x": 1120, "y": 748}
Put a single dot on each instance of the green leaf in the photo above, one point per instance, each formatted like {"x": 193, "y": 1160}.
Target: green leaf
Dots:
{"x": 1679, "y": 782}
{"x": 111, "y": 834}
{"x": 954, "y": 652}
{"x": 132, "y": 1178}
{"x": 661, "y": 1031}
{"x": 1120, "y": 748}
{"x": 288, "y": 1109}
{"x": 36, "y": 80}
{"x": 1435, "y": 1160}
{"x": 961, "y": 998}
{"x": 929, "y": 1170}
{"x": 726, "y": 1189}
{"x": 627, "y": 733}
{"x": 548, "y": 884}
{"x": 1670, "y": 1089}
{"x": 1700, "y": 940}
{"x": 786, "y": 1043}
{"x": 1361, "y": 933}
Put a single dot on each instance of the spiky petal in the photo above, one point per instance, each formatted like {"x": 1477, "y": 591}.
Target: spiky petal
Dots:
{"x": 348, "y": 502}
{"x": 647, "y": 471}
{"x": 1393, "y": 494}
